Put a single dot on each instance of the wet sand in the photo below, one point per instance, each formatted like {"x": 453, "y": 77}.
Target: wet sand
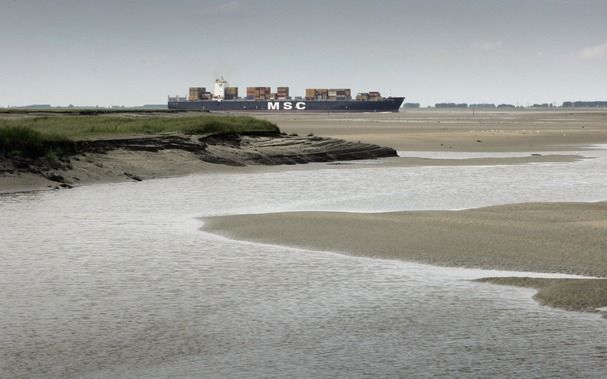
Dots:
{"x": 486, "y": 161}
{"x": 140, "y": 158}
{"x": 538, "y": 237}
{"x": 572, "y": 294}
{"x": 122, "y": 165}
{"x": 458, "y": 130}
{"x": 115, "y": 166}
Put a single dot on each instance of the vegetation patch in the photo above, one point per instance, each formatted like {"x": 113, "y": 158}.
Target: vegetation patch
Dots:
{"x": 96, "y": 126}
{"x": 85, "y": 111}
{"x": 52, "y": 137}
{"x": 23, "y": 141}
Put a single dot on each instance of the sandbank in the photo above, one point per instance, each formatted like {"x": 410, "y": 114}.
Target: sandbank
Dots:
{"x": 537, "y": 237}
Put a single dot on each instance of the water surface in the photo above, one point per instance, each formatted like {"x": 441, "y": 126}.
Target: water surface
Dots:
{"x": 116, "y": 280}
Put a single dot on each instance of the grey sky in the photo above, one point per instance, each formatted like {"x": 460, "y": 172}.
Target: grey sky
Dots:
{"x": 136, "y": 52}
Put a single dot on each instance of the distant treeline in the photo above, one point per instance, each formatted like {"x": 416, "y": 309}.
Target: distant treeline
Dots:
{"x": 585, "y": 104}
{"x": 476, "y": 106}
{"x": 450, "y": 105}
{"x": 566, "y": 104}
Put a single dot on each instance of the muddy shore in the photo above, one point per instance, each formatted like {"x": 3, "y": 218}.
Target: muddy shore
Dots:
{"x": 139, "y": 158}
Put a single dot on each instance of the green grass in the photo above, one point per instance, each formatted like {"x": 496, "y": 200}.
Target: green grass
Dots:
{"x": 24, "y": 141}
{"x": 87, "y": 127}
{"x": 38, "y": 136}
{"x": 86, "y": 111}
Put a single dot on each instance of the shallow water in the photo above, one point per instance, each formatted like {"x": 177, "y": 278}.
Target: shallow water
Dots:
{"x": 116, "y": 280}
{"x": 492, "y": 154}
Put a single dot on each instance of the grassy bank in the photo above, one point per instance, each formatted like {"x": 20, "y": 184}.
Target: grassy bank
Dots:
{"x": 89, "y": 127}
{"x": 84, "y": 111}
{"x": 38, "y": 136}
{"x": 22, "y": 141}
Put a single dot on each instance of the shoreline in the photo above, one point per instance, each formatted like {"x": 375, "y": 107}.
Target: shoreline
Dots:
{"x": 328, "y": 138}
{"x": 568, "y": 238}
{"x": 122, "y": 165}
{"x": 141, "y": 158}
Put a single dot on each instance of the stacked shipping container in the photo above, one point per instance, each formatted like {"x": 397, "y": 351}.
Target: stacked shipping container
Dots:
{"x": 196, "y": 93}
{"x": 231, "y": 93}
{"x": 199, "y": 93}
{"x": 369, "y": 96}
{"x": 339, "y": 94}
{"x": 258, "y": 93}
{"x": 328, "y": 94}
{"x": 282, "y": 93}
{"x": 317, "y": 94}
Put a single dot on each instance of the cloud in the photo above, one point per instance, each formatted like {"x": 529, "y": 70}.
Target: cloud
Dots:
{"x": 487, "y": 46}
{"x": 593, "y": 52}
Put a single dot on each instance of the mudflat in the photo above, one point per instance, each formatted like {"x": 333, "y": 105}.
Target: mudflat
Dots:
{"x": 540, "y": 237}
{"x": 458, "y": 130}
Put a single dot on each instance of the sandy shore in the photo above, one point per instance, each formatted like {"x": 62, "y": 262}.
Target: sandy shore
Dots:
{"x": 543, "y": 237}
{"x": 458, "y": 130}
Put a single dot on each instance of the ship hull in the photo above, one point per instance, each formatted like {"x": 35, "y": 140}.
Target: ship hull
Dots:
{"x": 390, "y": 104}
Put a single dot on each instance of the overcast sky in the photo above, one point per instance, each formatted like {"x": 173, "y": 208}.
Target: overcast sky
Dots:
{"x": 137, "y": 52}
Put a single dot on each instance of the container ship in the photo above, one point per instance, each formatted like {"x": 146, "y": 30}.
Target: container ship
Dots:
{"x": 224, "y": 98}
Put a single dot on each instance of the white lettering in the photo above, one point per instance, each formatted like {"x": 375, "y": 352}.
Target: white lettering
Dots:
{"x": 287, "y": 105}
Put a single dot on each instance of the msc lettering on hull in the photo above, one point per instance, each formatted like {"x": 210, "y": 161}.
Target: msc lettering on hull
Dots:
{"x": 287, "y": 105}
